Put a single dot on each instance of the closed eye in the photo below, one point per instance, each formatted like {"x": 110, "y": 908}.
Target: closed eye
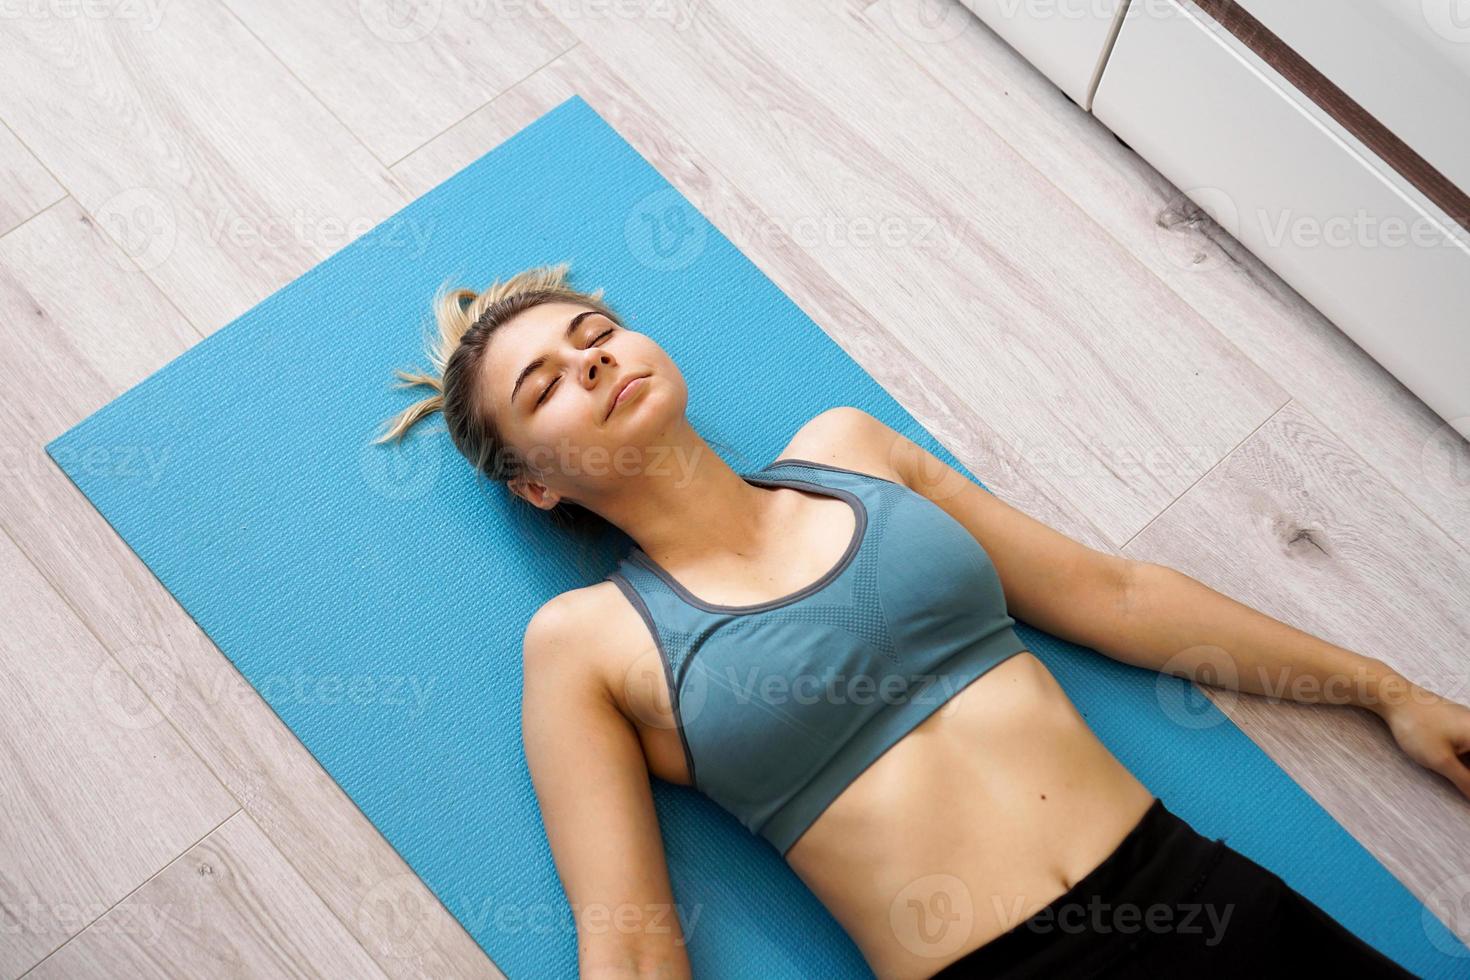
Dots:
{"x": 545, "y": 392}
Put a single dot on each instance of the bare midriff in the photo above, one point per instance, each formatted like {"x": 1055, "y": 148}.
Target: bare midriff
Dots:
{"x": 991, "y": 808}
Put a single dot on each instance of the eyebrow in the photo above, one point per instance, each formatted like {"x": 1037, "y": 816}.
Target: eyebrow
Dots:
{"x": 529, "y": 369}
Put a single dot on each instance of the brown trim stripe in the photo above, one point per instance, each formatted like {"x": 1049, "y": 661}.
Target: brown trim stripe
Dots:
{"x": 1340, "y": 106}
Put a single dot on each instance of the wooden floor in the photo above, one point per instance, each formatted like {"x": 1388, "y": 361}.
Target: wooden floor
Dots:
{"x": 1050, "y": 308}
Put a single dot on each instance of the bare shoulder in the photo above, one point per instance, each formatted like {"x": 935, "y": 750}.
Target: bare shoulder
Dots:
{"x": 572, "y": 626}
{"x": 592, "y": 631}
{"x": 851, "y": 438}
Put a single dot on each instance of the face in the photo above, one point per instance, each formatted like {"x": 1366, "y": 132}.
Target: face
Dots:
{"x": 552, "y": 373}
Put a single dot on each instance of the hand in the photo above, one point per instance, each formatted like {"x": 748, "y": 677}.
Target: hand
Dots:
{"x": 1434, "y": 732}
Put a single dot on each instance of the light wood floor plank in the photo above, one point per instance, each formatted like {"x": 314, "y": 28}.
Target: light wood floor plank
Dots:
{"x": 398, "y": 74}
{"x": 1320, "y": 366}
{"x": 488, "y": 126}
{"x": 73, "y": 313}
{"x": 192, "y": 146}
{"x": 1295, "y": 524}
{"x": 25, "y": 186}
{"x": 1110, "y": 386}
{"x": 96, "y": 793}
{"x": 230, "y": 906}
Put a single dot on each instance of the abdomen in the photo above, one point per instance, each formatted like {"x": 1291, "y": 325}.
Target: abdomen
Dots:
{"x": 993, "y": 806}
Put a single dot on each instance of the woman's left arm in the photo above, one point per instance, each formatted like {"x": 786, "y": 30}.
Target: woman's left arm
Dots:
{"x": 1179, "y": 625}
{"x": 1154, "y": 616}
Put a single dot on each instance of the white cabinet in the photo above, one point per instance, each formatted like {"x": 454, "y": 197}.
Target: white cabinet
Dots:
{"x": 1336, "y": 221}
{"x": 1407, "y": 62}
{"x": 1389, "y": 269}
{"x": 1066, "y": 39}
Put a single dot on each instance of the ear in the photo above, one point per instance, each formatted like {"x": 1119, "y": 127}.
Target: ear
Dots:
{"x": 537, "y": 494}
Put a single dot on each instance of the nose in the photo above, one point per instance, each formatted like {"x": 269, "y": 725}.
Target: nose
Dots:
{"x": 600, "y": 361}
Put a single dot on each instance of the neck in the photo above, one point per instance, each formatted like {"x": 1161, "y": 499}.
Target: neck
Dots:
{"x": 686, "y": 504}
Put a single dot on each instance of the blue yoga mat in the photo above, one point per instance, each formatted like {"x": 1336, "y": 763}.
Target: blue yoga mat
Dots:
{"x": 376, "y": 596}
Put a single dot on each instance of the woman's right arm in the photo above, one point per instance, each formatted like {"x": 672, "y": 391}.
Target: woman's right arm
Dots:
{"x": 592, "y": 783}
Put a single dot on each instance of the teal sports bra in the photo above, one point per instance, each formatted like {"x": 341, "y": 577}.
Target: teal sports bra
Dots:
{"x": 782, "y": 704}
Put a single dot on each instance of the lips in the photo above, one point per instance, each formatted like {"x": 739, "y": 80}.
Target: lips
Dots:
{"x": 617, "y": 393}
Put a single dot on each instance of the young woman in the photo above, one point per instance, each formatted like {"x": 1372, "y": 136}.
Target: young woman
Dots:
{"x": 824, "y": 646}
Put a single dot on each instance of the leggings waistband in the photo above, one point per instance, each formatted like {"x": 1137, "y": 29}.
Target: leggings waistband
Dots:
{"x": 1157, "y": 866}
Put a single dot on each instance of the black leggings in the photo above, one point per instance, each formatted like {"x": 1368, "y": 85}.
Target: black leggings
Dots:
{"x": 1169, "y": 902}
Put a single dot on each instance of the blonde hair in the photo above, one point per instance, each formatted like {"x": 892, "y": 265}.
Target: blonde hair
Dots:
{"x": 466, "y": 322}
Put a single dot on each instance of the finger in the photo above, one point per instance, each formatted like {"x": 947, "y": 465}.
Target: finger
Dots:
{"x": 1456, "y": 772}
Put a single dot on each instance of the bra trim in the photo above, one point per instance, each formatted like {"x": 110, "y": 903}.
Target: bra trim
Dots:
{"x": 642, "y": 607}
{"x": 793, "y": 461}
{"x": 859, "y": 534}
